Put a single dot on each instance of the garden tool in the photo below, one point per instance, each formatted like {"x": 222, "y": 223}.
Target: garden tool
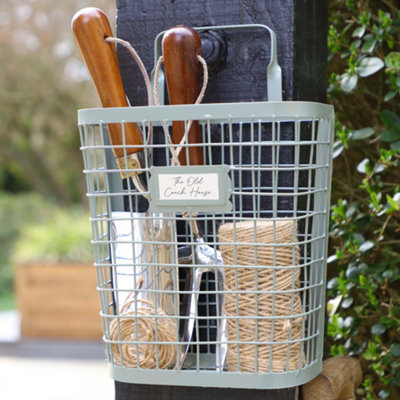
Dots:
{"x": 181, "y": 47}
{"x": 141, "y": 239}
{"x": 90, "y": 27}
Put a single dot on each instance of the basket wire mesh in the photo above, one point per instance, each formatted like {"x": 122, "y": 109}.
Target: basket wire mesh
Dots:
{"x": 278, "y": 158}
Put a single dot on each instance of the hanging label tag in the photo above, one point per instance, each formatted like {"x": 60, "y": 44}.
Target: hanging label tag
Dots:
{"x": 190, "y": 189}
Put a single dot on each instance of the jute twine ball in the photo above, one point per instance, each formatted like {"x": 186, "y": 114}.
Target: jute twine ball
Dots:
{"x": 267, "y": 276}
{"x": 144, "y": 355}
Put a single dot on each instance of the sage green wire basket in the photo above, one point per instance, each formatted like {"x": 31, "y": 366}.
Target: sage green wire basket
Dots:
{"x": 256, "y": 312}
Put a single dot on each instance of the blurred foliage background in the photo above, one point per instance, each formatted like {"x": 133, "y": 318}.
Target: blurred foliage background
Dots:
{"x": 363, "y": 286}
{"x": 43, "y": 82}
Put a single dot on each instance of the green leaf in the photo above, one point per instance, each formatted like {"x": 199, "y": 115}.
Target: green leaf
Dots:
{"x": 390, "y": 136}
{"x": 363, "y": 167}
{"x": 369, "y": 44}
{"x": 353, "y": 207}
{"x": 348, "y": 323}
{"x": 395, "y": 364}
{"x": 369, "y": 66}
{"x": 395, "y": 146}
{"x": 348, "y": 82}
{"x": 388, "y": 274}
{"x": 378, "y": 329}
{"x": 362, "y": 220}
{"x": 365, "y": 16}
{"x": 372, "y": 351}
{"x": 390, "y": 120}
{"x": 347, "y": 302}
{"x": 337, "y": 149}
{"x": 363, "y": 267}
{"x": 393, "y": 203}
{"x": 359, "y": 238}
{"x": 345, "y": 54}
{"x": 379, "y": 167}
{"x": 331, "y": 258}
{"x": 395, "y": 349}
{"x": 353, "y": 273}
{"x": 363, "y": 133}
{"x": 389, "y": 95}
{"x": 366, "y": 246}
{"x": 392, "y": 60}
{"x": 359, "y": 32}
{"x": 384, "y": 394}
{"x": 332, "y": 283}
{"x": 356, "y": 44}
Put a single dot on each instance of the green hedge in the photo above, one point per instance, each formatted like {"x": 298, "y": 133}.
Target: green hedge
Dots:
{"x": 15, "y": 211}
{"x": 33, "y": 229}
{"x": 364, "y": 266}
{"x": 65, "y": 237}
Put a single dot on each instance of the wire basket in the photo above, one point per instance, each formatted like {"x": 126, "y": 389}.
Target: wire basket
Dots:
{"x": 214, "y": 276}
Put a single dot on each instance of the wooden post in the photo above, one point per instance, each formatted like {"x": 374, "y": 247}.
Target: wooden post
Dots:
{"x": 237, "y": 67}
{"x": 237, "y": 62}
{"x": 338, "y": 380}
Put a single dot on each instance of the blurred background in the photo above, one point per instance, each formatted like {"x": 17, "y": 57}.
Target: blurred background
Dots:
{"x": 46, "y": 270}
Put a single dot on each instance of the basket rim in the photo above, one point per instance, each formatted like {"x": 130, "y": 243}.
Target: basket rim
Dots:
{"x": 280, "y": 111}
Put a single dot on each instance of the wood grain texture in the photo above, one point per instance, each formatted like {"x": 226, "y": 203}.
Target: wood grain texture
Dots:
{"x": 241, "y": 75}
{"x": 181, "y": 47}
{"x": 310, "y": 50}
{"x": 58, "y": 301}
{"x": 90, "y": 27}
{"x": 338, "y": 380}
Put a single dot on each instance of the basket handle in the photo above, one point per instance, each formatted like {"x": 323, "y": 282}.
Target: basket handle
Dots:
{"x": 274, "y": 72}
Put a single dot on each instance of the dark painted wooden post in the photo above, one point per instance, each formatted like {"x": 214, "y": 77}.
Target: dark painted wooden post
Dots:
{"x": 237, "y": 66}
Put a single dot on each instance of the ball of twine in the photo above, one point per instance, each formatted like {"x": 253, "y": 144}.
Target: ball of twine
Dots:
{"x": 283, "y": 305}
{"x": 132, "y": 329}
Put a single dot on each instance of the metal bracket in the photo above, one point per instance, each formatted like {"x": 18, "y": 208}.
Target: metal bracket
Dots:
{"x": 274, "y": 72}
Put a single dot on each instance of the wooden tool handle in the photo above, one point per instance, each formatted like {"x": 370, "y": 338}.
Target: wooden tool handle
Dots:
{"x": 338, "y": 380}
{"x": 181, "y": 46}
{"x": 90, "y": 27}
